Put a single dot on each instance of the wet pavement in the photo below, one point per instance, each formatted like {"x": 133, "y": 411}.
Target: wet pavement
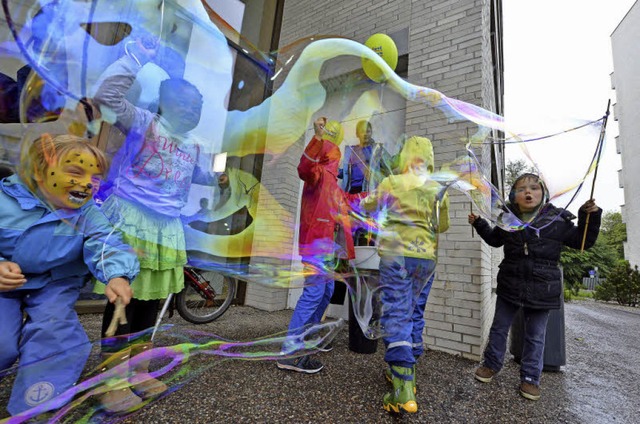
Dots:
{"x": 599, "y": 384}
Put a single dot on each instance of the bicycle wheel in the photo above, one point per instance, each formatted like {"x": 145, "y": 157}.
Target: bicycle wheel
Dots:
{"x": 206, "y": 295}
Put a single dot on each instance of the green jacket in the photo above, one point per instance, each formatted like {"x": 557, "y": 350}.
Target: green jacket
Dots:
{"x": 416, "y": 208}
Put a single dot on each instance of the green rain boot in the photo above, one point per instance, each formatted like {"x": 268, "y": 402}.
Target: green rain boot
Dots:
{"x": 402, "y": 398}
{"x": 388, "y": 376}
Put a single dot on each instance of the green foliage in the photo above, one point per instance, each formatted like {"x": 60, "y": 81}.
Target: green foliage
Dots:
{"x": 614, "y": 232}
{"x": 568, "y": 295}
{"x": 576, "y": 265}
{"x": 622, "y": 285}
{"x": 514, "y": 169}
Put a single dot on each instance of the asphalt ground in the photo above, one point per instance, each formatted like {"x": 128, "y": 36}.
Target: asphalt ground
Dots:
{"x": 599, "y": 384}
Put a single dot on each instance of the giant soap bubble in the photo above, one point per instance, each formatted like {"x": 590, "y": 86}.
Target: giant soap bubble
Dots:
{"x": 185, "y": 115}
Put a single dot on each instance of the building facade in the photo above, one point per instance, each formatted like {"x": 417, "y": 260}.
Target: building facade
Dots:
{"x": 454, "y": 47}
{"x": 626, "y": 81}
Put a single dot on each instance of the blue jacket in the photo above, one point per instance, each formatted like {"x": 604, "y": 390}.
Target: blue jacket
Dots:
{"x": 50, "y": 246}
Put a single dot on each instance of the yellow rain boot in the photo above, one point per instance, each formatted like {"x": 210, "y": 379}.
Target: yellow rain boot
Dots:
{"x": 401, "y": 398}
{"x": 141, "y": 381}
{"x": 388, "y": 376}
{"x": 122, "y": 399}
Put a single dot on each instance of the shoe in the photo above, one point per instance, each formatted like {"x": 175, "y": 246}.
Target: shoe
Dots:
{"x": 402, "y": 398}
{"x": 389, "y": 378}
{"x": 326, "y": 348}
{"x": 529, "y": 391}
{"x": 484, "y": 374}
{"x": 304, "y": 364}
{"x": 118, "y": 400}
{"x": 142, "y": 383}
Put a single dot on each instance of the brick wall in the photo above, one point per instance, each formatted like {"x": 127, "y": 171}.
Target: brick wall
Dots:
{"x": 449, "y": 50}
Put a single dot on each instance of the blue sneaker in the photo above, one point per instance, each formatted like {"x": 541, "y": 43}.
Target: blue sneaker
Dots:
{"x": 305, "y": 364}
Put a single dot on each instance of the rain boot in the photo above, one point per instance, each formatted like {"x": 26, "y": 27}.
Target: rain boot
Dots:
{"x": 401, "y": 398}
{"x": 388, "y": 376}
{"x": 141, "y": 381}
{"x": 118, "y": 400}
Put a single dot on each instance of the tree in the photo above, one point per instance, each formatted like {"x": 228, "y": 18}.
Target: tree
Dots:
{"x": 614, "y": 232}
{"x": 514, "y": 169}
{"x": 622, "y": 285}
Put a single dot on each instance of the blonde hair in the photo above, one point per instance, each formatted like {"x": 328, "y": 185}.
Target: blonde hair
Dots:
{"x": 46, "y": 151}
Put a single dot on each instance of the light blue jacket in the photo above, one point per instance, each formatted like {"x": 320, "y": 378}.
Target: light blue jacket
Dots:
{"x": 51, "y": 246}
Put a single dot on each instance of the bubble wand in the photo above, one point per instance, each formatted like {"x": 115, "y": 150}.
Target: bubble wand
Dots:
{"x": 595, "y": 172}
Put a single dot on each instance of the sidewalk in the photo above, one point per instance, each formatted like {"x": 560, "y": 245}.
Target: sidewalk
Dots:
{"x": 348, "y": 390}
{"x": 598, "y": 385}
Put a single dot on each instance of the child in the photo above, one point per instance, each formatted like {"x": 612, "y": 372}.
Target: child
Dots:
{"x": 416, "y": 209}
{"x": 529, "y": 277}
{"x": 52, "y": 236}
{"x": 324, "y": 212}
{"x": 148, "y": 187}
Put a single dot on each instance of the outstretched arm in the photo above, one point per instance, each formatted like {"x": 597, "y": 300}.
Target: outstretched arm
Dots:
{"x": 492, "y": 236}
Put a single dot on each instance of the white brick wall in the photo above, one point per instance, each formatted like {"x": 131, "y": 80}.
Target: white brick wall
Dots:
{"x": 449, "y": 50}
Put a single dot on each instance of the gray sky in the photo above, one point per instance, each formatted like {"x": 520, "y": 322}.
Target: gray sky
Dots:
{"x": 558, "y": 62}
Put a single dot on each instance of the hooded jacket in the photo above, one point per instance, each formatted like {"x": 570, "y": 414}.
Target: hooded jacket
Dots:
{"x": 52, "y": 246}
{"x": 325, "y": 228}
{"x": 417, "y": 208}
{"x": 529, "y": 275}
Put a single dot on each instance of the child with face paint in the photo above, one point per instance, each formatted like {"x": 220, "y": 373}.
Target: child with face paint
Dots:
{"x": 529, "y": 277}
{"x": 52, "y": 236}
{"x": 417, "y": 209}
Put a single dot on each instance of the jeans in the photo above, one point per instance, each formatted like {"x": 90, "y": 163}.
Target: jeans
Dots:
{"x": 313, "y": 302}
{"x": 535, "y": 328}
{"x": 405, "y": 283}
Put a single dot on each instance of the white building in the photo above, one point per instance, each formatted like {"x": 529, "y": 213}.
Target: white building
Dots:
{"x": 626, "y": 81}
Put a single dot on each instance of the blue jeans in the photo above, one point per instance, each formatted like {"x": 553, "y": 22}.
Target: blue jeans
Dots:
{"x": 405, "y": 285}
{"x": 313, "y": 302}
{"x": 535, "y": 329}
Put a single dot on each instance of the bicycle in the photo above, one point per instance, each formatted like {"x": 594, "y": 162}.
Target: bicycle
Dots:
{"x": 206, "y": 295}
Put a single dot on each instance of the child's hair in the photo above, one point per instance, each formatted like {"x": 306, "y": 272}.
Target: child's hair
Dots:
{"x": 173, "y": 87}
{"x": 528, "y": 176}
{"x": 416, "y": 150}
{"x": 46, "y": 151}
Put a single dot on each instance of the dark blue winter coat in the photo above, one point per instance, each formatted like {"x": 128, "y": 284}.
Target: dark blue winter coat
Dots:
{"x": 529, "y": 275}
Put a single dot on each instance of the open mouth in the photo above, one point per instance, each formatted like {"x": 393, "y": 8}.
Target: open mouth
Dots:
{"x": 78, "y": 197}
{"x": 528, "y": 198}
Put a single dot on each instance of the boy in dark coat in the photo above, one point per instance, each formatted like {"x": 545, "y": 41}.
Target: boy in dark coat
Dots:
{"x": 529, "y": 276}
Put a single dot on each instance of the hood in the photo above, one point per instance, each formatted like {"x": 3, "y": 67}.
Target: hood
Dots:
{"x": 416, "y": 148}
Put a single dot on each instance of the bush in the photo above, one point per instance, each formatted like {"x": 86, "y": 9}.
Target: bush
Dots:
{"x": 568, "y": 295}
{"x": 622, "y": 285}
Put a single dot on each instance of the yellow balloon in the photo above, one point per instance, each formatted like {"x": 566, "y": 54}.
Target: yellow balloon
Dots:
{"x": 384, "y": 46}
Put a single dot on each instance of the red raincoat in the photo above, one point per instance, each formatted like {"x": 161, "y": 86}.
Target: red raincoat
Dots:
{"x": 325, "y": 206}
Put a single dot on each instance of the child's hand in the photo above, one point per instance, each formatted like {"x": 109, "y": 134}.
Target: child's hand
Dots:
{"x": 11, "y": 276}
{"x": 119, "y": 288}
{"x": 589, "y": 206}
{"x": 473, "y": 218}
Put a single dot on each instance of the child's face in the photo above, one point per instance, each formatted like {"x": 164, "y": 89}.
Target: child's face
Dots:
{"x": 528, "y": 194}
{"x": 72, "y": 181}
{"x": 364, "y": 134}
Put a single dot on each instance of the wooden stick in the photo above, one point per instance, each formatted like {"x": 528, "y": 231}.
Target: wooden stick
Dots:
{"x": 119, "y": 318}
